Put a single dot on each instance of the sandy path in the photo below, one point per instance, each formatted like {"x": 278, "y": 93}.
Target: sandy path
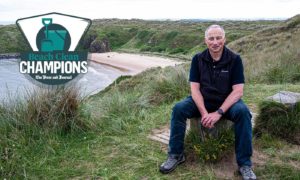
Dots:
{"x": 131, "y": 63}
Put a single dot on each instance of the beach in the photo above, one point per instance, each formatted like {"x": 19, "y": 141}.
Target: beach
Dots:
{"x": 131, "y": 63}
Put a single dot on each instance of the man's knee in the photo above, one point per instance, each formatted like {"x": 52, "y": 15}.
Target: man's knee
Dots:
{"x": 239, "y": 109}
{"x": 178, "y": 108}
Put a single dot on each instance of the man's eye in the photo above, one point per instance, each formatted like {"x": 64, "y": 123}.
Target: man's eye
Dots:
{"x": 219, "y": 37}
{"x": 211, "y": 38}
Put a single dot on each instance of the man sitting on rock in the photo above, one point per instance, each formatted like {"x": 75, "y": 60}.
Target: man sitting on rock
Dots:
{"x": 217, "y": 82}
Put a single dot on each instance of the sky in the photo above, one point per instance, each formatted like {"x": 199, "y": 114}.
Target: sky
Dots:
{"x": 11, "y": 10}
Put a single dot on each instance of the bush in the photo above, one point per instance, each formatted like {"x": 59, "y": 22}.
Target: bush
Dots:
{"x": 279, "y": 120}
{"x": 212, "y": 148}
{"x": 118, "y": 113}
{"x": 59, "y": 110}
{"x": 29, "y": 129}
{"x": 178, "y": 50}
{"x": 287, "y": 72}
{"x": 169, "y": 86}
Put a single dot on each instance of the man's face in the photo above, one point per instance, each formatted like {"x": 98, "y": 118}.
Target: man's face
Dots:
{"x": 215, "y": 40}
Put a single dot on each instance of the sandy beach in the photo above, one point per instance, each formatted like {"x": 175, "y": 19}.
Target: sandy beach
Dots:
{"x": 131, "y": 63}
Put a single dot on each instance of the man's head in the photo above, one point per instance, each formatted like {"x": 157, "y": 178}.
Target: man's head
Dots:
{"x": 215, "y": 38}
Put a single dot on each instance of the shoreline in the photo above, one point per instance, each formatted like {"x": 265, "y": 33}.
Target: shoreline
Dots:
{"x": 9, "y": 56}
{"x": 131, "y": 63}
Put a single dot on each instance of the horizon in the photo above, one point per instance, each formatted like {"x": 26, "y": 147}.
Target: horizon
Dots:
{"x": 11, "y": 10}
{"x": 184, "y": 19}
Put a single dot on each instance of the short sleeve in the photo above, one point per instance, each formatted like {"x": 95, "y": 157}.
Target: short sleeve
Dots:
{"x": 194, "y": 71}
{"x": 237, "y": 72}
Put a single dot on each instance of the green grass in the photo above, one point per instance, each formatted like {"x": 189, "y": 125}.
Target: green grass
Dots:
{"x": 275, "y": 171}
{"x": 271, "y": 55}
{"x": 11, "y": 40}
{"x": 110, "y": 139}
{"x": 212, "y": 149}
{"x": 167, "y": 37}
{"x": 34, "y": 132}
{"x": 118, "y": 147}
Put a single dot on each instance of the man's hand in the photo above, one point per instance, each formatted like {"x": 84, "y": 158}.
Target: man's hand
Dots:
{"x": 210, "y": 119}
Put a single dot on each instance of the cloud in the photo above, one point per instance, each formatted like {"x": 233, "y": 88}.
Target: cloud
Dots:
{"x": 10, "y": 10}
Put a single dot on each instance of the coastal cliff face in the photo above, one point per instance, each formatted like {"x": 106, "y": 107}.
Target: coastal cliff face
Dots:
{"x": 100, "y": 46}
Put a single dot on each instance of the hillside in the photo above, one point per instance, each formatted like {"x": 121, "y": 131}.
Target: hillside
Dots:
{"x": 167, "y": 37}
{"x": 272, "y": 54}
{"x": 11, "y": 40}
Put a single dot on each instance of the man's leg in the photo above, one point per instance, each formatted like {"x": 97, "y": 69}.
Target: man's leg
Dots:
{"x": 240, "y": 115}
{"x": 181, "y": 111}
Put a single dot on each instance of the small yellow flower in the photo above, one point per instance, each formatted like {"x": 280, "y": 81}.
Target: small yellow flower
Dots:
{"x": 214, "y": 156}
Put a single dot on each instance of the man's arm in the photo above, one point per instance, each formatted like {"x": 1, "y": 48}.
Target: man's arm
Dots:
{"x": 235, "y": 95}
{"x": 198, "y": 98}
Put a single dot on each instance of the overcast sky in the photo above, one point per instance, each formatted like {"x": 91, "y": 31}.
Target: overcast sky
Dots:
{"x": 11, "y": 10}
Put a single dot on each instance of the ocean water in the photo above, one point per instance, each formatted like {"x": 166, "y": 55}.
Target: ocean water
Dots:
{"x": 14, "y": 85}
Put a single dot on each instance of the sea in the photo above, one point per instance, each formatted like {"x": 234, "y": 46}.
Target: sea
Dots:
{"x": 14, "y": 85}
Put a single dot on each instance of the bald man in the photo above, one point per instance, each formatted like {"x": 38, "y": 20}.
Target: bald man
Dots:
{"x": 217, "y": 84}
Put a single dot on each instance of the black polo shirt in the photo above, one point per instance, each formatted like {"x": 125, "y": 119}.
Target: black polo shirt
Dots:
{"x": 216, "y": 78}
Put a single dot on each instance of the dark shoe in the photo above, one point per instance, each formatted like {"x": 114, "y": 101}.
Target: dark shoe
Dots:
{"x": 171, "y": 163}
{"x": 247, "y": 173}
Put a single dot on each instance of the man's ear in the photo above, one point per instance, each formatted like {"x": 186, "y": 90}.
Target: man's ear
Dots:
{"x": 205, "y": 41}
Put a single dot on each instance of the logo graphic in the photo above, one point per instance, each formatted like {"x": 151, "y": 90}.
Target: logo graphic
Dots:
{"x": 53, "y": 39}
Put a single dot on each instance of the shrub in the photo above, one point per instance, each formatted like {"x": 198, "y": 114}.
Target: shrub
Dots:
{"x": 279, "y": 120}
{"x": 118, "y": 112}
{"x": 177, "y": 50}
{"x": 37, "y": 126}
{"x": 169, "y": 86}
{"x": 212, "y": 148}
{"x": 59, "y": 110}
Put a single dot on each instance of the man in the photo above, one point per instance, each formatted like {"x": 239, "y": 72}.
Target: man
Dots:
{"x": 217, "y": 82}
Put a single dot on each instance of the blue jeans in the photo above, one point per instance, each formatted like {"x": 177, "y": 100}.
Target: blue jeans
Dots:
{"x": 238, "y": 113}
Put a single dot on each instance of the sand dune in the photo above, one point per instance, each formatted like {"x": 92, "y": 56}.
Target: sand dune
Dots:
{"x": 131, "y": 63}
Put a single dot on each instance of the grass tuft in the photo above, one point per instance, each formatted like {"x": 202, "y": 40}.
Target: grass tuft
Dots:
{"x": 279, "y": 120}
{"x": 169, "y": 85}
{"x": 34, "y": 127}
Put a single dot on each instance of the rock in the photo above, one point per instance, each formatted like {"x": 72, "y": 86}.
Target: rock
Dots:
{"x": 204, "y": 133}
{"x": 100, "y": 46}
{"x": 285, "y": 97}
{"x": 9, "y": 56}
{"x": 87, "y": 41}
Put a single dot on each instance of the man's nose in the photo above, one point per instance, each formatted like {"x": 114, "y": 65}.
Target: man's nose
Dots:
{"x": 215, "y": 41}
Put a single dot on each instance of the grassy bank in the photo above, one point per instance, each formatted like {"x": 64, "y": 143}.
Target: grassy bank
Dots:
{"x": 271, "y": 55}
{"x": 116, "y": 146}
{"x": 34, "y": 131}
